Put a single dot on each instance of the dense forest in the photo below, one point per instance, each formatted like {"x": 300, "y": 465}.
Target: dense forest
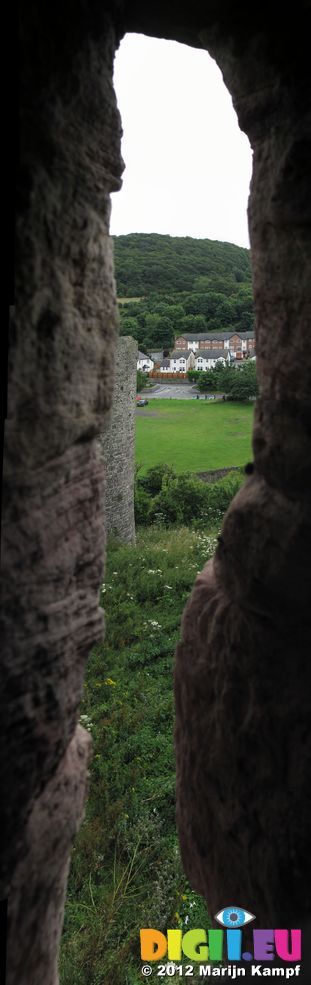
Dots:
{"x": 169, "y": 285}
{"x": 147, "y": 263}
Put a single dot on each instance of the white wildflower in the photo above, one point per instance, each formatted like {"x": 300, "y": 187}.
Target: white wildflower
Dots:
{"x": 85, "y": 721}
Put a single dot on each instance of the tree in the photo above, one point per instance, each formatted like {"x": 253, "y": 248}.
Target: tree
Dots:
{"x": 215, "y": 379}
{"x": 141, "y": 380}
{"x": 195, "y": 285}
{"x": 243, "y": 382}
{"x": 165, "y": 335}
{"x": 149, "y": 262}
{"x": 192, "y": 323}
{"x": 130, "y": 326}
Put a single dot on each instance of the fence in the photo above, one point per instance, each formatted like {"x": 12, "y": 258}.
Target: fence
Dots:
{"x": 167, "y": 376}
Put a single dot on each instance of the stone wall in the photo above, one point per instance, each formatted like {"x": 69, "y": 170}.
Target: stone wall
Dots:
{"x": 63, "y": 337}
{"x": 117, "y": 445}
{"x": 214, "y": 474}
{"x": 243, "y": 666}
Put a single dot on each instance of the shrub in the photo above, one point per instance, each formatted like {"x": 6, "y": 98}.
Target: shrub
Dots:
{"x": 243, "y": 383}
{"x": 152, "y": 481}
{"x": 186, "y": 499}
{"x": 181, "y": 499}
{"x": 193, "y": 375}
{"x": 141, "y": 380}
{"x": 220, "y": 495}
{"x": 142, "y": 504}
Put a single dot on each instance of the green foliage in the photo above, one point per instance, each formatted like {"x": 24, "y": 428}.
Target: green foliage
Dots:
{"x": 140, "y": 380}
{"x": 186, "y": 285}
{"x": 182, "y": 499}
{"x": 164, "y": 498}
{"x": 147, "y": 263}
{"x": 125, "y": 870}
{"x": 238, "y": 383}
{"x": 133, "y": 326}
{"x": 185, "y": 498}
{"x": 159, "y": 330}
{"x": 193, "y": 375}
{"x": 192, "y": 323}
{"x": 243, "y": 383}
{"x": 141, "y": 505}
{"x": 216, "y": 379}
{"x": 129, "y": 326}
{"x": 152, "y": 481}
{"x": 165, "y": 335}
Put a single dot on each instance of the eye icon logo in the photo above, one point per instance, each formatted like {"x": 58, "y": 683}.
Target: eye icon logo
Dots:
{"x": 234, "y": 917}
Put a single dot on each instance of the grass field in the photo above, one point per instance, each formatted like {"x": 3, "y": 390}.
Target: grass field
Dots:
{"x": 194, "y": 435}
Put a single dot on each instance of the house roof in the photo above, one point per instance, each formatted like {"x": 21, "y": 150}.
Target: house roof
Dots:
{"x": 181, "y": 354}
{"x": 165, "y": 362}
{"x": 211, "y": 354}
{"x": 208, "y": 336}
{"x": 142, "y": 355}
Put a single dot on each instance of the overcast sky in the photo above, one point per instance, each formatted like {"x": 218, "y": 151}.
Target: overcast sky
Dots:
{"x": 188, "y": 166}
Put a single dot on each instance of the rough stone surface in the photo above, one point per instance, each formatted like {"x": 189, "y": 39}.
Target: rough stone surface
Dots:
{"x": 117, "y": 445}
{"x": 63, "y": 336}
{"x": 52, "y": 565}
{"x": 214, "y": 474}
{"x": 39, "y": 881}
{"x": 243, "y": 667}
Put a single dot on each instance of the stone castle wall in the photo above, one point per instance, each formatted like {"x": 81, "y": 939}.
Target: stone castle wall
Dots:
{"x": 117, "y": 445}
{"x": 242, "y": 678}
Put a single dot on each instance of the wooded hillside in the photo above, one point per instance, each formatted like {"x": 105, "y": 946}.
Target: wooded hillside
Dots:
{"x": 147, "y": 263}
{"x": 169, "y": 285}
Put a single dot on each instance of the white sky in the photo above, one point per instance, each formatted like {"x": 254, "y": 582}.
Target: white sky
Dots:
{"x": 188, "y": 166}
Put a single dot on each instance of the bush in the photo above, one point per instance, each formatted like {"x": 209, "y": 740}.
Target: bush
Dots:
{"x": 186, "y": 499}
{"x": 142, "y": 504}
{"x": 164, "y": 498}
{"x": 217, "y": 378}
{"x": 243, "y": 383}
{"x": 181, "y": 499}
{"x": 152, "y": 481}
{"x": 220, "y": 495}
{"x": 193, "y": 375}
{"x": 141, "y": 380}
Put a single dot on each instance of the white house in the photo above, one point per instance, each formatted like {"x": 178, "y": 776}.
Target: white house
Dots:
{"x": 182, "y": 360}
{"x": 207, "y": 358}
{"x": 144, "y": 362}
{"x": 165, "y": 365}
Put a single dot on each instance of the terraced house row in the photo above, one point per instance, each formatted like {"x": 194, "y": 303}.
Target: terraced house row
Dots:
{"x": 239, "y": 344}
{"x": 201, "y": 351}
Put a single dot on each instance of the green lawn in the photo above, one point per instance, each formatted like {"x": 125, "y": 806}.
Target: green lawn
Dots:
{"x": 194, "y": 435}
